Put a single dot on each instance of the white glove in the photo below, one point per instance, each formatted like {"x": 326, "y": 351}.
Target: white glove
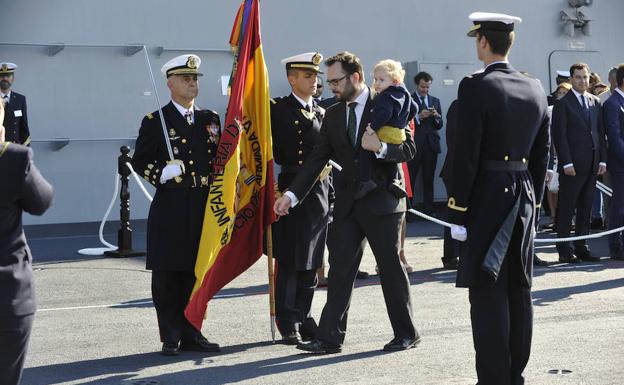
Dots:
{"x": 170, "y": 171}
{"x": 458, "y": 232}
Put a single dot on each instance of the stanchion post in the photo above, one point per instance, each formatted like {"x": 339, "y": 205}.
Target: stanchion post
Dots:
{"x": 124, "y": 234}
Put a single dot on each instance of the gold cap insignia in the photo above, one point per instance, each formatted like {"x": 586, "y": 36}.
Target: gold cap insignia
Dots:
{"x": 5, "y": 67}
{"x": 316, "y": 59}
{"x": 191, "y": 62}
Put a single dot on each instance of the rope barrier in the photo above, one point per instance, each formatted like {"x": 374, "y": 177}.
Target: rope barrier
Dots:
{"x": 109, "y": 246}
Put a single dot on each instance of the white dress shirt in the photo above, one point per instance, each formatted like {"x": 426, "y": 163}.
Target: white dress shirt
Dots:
{"x": 183, "y": 110}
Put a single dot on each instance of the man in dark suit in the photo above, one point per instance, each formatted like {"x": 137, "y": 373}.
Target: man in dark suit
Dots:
{"x": 23, "y": 189}
{"x": 450, "y": 257}
{"x": 15, "y": 118}
{"x": 613, "y": 114}
{"x": 376, "y": 216}
{"x": 579, "y": 139}
{"x": 497, "y": 182}
{"x": 298, "y": 238}
{"x": 176, "y": 215}
{"x": 426, "y": 137}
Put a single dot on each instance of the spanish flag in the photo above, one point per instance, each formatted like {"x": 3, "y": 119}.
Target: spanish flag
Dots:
{"x": 241, "y": 197}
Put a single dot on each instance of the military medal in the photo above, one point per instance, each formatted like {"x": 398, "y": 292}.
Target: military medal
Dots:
{"x": 176, "y": 151}
{"x": 172, "y": 132}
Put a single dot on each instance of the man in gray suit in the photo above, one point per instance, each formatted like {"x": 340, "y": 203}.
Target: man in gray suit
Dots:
{"x": 376, "y": 216}
{"x": 23, "y": 189}
{"x": 426, "y": 137}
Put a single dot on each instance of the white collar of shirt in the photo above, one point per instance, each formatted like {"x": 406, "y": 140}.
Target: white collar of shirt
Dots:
{"x": 619, "y": 91}
{"x": 8, "y": 96}
{"x": 183, "y": 110}
{"x": 420, "y": 97}
{"x": 359, "y": 108}
{"x": 496, "y": 62}
{"x": 303, "y": 102}
{"x": 580, "y": 96}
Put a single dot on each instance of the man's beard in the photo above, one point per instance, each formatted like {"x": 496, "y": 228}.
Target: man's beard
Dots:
{"x": 348, "y": 93}
{"x": 5, "y": 84}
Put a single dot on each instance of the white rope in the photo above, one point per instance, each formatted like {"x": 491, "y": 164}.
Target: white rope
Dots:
{"x": 109, "y": 247}
{"x": 139, "y": 182}
{"x": 537, "y": 240}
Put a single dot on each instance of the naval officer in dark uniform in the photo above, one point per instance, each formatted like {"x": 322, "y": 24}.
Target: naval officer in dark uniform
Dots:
{"x": 497, "y": 182}
{"x": 176, "y": 215}
{"x": 23, "y": 189}
{"x": 299, "y": 238}
{"x": 15, "y": 118}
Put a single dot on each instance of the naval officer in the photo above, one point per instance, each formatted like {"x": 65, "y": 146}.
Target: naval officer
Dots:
{"x": 497, "y": 182}
{"x": 174, "y": 224}
{"x": 299, "y": 238}
{"x": 15, "y": 118}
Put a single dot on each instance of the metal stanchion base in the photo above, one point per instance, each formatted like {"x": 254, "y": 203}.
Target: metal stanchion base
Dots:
{"x": 124, "y": 253}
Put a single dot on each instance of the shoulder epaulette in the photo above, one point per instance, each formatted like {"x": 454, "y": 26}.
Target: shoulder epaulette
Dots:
{"x": 273, "y": 101}
{"x": 150, "y": 115}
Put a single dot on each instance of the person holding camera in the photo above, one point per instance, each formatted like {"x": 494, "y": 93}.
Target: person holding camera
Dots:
{"x": 426, "y": 137}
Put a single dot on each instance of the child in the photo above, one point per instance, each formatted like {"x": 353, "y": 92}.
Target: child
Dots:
{"x": 394, "y": 108}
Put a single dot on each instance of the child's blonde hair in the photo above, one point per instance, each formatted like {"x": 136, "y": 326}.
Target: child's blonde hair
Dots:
{"x": 392, "y": 67}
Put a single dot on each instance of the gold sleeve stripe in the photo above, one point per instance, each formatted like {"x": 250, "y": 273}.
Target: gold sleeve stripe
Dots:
{"x": 452, "y": 205}
{"x": 4, "y": 148}
{"x": 27, "y": 141}
{"x": 150, "y": 116}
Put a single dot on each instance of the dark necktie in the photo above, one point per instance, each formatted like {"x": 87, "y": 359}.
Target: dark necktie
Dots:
{"x": 307, "y": 108}
{"x": 352, "y": 124}
{"x": 585, "y": 108}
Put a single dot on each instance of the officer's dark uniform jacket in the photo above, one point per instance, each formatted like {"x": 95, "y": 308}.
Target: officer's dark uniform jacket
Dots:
{"x": 22, "y": 189}
{"x": 176, "y": 214}
{"x": 500, "y": 164}
{"x": 299, "y": 237}
{"x": 16, "y": 120}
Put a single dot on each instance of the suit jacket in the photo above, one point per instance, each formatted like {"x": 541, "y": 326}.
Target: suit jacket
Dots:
{"x": 426, "y": 133}
{"x": 613, "y": 116}
{"x": 451, "y": 126}
{"x": 176, "y": 214}
{"x": 577, "y": 142}
{"x": 22, "y": 189}
{"x": 333, "y": 143}
{"x": 497, "y": 176}
{"x": 16, "y": 120}
{"x": 299, "y": 238}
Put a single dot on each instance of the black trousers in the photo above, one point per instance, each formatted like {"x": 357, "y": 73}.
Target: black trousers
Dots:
{"x": 502, "y": 322}
{"x": 575, "y": 193}
{"x": 170, "y": 292}
{"x": 427, "y": 160}
{"x": 294, "y": 291}
{"x": 346, "y": 239}
{"x": 14, "y": 336}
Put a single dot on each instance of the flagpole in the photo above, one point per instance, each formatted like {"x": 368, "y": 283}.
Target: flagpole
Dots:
{"x": 269, "y": 241}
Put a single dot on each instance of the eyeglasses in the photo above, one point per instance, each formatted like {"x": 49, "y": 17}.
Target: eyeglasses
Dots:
{"x": 334, "y": 82}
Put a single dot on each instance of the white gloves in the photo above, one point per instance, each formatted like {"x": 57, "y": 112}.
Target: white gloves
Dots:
{"x": 170, "y": 171}
{"x": 458, "y": 232}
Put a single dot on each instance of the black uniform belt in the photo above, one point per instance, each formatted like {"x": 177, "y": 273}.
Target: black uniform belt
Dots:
{"x": 505, "y": 165}
{"x": 192, "y": 181}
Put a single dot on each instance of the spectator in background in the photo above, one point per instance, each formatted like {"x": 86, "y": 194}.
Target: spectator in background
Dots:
{"x": 614, "y": 126}
{"x": 579, "y": 140}
{"x": 319, "y": 89}
{"x": 15, "y": 118}
{"x": 25, "y": 190}
{"x": 426, "y": 137}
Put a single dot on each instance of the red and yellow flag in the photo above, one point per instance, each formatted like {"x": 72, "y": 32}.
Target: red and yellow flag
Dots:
{"x": 241, "y": 197}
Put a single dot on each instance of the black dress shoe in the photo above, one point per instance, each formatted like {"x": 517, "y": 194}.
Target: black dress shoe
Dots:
{"x": 170, "y": 349}
{"x": 318, "y": 347}
{"x": 537, "y": 261}
{"x": 398, "y": 344}
{"x": 450, "y": 263}
{"x": 585, "y": 255}
{"x": 568, "y": 258}
{"x": 362, "y": 275}
{"x": 618, "y": 255}
{"x": 199, "y": 344}
{"x": 292, "y": 338}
